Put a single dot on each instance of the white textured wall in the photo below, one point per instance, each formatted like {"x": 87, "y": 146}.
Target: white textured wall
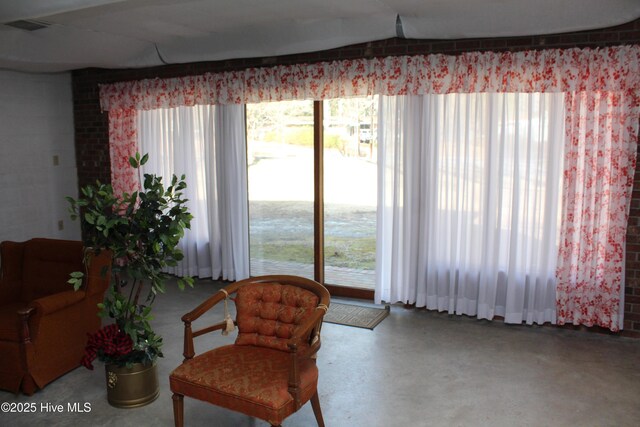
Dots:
{"x": 36, "y": 124}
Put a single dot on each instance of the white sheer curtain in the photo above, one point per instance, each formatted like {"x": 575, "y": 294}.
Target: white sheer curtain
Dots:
{"x": 469, "y": 201}
{"x": 207, "y": 144}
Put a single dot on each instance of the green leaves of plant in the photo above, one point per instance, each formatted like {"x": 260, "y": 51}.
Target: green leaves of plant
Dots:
{"x": 136, "y": 161}
{"x": 183, "y": 281}
{"x": 142, "y": 230}
{"x": 76, "y": 279}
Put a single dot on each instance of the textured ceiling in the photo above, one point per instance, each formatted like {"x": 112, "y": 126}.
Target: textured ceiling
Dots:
{"x": 139, "y": 33}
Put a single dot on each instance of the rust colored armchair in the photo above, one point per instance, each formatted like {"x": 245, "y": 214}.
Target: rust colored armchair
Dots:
{"x": 43, "y": 321}
{"x": 270, "y": 371}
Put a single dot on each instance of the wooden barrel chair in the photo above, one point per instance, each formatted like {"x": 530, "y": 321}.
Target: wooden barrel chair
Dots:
{"x": 270, "y": 371}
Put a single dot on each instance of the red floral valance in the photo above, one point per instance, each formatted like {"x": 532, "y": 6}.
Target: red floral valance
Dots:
{"x": 552, "y": 70}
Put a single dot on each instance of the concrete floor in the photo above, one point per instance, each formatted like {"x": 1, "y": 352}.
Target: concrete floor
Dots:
{"x": 417, "y": 368}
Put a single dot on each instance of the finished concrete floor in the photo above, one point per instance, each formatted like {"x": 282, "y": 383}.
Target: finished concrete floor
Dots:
{"x": 417, "y": 368}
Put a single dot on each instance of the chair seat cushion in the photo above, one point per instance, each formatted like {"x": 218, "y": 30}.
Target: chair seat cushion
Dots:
{"x": 10, "y": 325}
{"x": 248, "y": 379}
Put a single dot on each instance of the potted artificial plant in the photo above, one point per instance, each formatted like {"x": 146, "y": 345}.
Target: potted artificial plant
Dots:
{"x": 142, "y": 231}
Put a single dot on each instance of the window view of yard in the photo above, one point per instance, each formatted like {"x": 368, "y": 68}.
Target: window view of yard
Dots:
{"x": 280, "y": 168}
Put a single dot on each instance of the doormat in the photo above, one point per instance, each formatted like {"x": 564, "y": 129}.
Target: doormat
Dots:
{"x": 356, "y": 315}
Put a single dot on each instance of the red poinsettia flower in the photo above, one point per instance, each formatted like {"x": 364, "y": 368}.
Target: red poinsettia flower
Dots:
{"x": 109, "y": 341}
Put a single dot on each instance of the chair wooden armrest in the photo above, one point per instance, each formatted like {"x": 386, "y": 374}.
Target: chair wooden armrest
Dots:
{"x": 196, "y": 313}
{"x": 299, "y": 352}
{"x": 210, "y": 302}
{"x": 304, "y": 331}
{"x": 25, "y": 332}
{"x": 305, "y": 328}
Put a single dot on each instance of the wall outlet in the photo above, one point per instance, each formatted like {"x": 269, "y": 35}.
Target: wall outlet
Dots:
{"x": 56, "y": 160}
{"x": 60, "y": 225}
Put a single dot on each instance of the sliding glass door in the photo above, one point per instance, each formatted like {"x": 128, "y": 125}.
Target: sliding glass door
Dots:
{"x": 281, "y": 187}
{"x": 286, "y": 143}
{"x": 350, "y": 177}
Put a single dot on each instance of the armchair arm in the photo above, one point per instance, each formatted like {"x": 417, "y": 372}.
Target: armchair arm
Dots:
{"x": 210, "y": 302}
{"x": 299, "y": 337}
{"x": 98, "y": 271}
{"x": 30, "y": 317}
{"x": 302, "y": 332}
{"x": 194, "y": 314}
{"x": 56, "y": 302}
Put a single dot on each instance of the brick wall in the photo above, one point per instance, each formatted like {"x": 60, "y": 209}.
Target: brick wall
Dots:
{"x": 632, "y": 282}
{"x": 91, "y": 125}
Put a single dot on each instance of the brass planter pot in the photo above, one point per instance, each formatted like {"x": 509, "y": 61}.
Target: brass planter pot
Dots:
{"x": 132, "y": 387}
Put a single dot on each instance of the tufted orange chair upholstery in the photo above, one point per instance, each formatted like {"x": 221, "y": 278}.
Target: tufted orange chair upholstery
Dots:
{"x": 270, "y": 370}
{"x": 43, "y": 321}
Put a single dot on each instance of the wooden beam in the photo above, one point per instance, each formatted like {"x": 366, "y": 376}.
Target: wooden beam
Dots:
{"x": 318, "y": 204}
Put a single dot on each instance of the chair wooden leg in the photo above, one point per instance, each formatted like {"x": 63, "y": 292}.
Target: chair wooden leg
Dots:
{"x": 315, "y": 404}
{"x": 178, "y": 409}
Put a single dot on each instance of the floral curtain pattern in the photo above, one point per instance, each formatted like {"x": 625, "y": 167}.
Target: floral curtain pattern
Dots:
{"x": 600, "y": 160}
{"x": 553, "y": 70}
{"x": 122, "y": 145}
{"x": 603, "y": 91}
